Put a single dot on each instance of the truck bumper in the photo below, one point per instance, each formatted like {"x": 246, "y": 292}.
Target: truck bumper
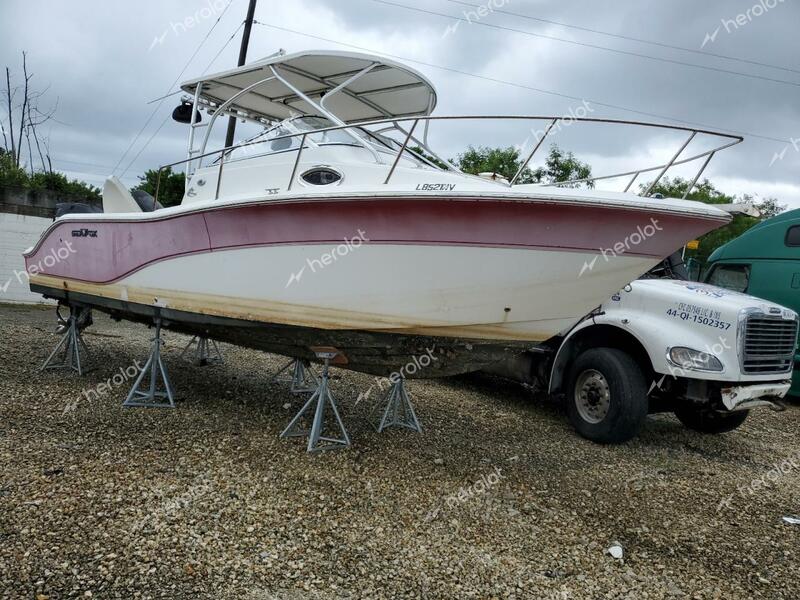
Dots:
{"x": 748, "y": 396}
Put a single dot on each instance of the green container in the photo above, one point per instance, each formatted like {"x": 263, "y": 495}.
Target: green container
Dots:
{"x": 764, "y": 262}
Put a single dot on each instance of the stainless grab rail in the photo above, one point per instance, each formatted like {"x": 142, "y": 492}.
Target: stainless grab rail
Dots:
{"x": 394, "y": 122}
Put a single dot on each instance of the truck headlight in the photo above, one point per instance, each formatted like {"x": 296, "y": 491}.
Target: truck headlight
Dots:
{"x": 694, "y": 360}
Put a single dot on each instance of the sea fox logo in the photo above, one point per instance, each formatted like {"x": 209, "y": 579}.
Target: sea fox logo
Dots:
{"x": 84, "y": 233}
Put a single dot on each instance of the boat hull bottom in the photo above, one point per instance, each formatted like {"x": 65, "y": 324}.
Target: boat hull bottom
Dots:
{"x": 375, "y": 353}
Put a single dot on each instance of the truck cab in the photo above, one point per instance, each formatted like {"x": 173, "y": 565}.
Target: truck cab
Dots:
{"x": 764, "y": 262}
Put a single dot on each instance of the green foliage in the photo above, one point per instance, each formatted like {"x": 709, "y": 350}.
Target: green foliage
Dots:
{"x": 420, "y": 152}
{"x": 706, "y": 192}
{"x": 170, "y": 189}
{"x": 503, "y": 161}
{"x": 563, "y": 166}
{"x": 13, "y": 176}
{"x": 559, "y": 165}
{"x": 10, "y": 174}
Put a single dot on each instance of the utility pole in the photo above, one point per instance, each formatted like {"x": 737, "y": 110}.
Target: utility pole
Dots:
{"x": 248, "y": 25}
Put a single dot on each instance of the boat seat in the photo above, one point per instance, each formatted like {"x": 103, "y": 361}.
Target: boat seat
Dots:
{"x": 117, "y": 198}
{"x": 145, "y": 201}
{"x": 71, "y": 208}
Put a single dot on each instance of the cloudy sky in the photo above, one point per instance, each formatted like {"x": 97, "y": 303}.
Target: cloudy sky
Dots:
{"x": 728, "y": 65}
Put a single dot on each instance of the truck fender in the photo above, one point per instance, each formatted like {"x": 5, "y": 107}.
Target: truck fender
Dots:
{"x": 596, "y": 331}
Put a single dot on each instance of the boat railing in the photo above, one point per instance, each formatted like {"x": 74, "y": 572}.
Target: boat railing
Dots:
{"x": 393, "y": 124}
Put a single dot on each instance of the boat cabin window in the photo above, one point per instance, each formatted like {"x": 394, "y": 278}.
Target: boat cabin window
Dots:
{"x": 793, "y": 236}
{"x": 731, "y": 277}
{"x": 321, "y": 176}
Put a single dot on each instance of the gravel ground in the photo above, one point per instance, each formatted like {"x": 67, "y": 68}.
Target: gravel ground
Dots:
{"x": 498, "y": 498}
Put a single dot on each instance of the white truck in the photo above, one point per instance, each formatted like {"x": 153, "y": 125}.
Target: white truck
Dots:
{"x": 705, "y": 353}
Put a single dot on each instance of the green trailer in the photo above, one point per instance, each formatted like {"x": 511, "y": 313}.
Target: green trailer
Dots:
{"x": 764, "y": 262}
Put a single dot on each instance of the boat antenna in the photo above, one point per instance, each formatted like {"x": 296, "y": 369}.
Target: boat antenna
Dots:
{"x": 248, "y": 25}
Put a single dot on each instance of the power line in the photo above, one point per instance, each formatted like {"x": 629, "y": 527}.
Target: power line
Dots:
{"x": 527, "y": 87}
{"x": 157, "y": 106}
{"x": 213, "y": 60}
{"x": 587, "y": 45}
{"x": 630, "y": 38}
{"x": 167, "y": 116}
{"x": 85, "y": 164}
{"x": 225, "y": 45}
{"x": 147, "y": 143}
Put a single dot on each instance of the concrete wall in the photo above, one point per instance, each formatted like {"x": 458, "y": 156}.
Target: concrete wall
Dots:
{"x": 17, "y": 233}
{"x": 24, "y": 215}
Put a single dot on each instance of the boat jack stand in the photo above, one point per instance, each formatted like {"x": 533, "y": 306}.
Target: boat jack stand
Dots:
{"x": 303, "y": 380}
{"x": 206, "y": 351}
{"x": 70, "y": 345}
{"x": 322, "y": 398}
{"x": 152, "y": 397}
{"x": 399, "y": 411}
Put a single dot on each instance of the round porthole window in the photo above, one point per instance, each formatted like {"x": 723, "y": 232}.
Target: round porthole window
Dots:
{"x": 321, "y": 176}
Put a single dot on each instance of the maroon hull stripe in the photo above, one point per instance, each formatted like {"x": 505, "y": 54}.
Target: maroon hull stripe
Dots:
{"x": 120, "y": 247}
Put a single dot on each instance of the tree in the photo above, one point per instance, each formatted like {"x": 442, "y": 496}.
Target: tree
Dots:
{"x": 21, "y": 141}
{"x": 563, "y": 166}
{"x": 14, "y": 176}
{"x": 170, "y": 189}
{"x": 429, "y": 157}
{"x": 502, "y": 161}
{"x": 707, "y": 193}
{"x": 559, "y": 166}
{"x": 19, "y": 126}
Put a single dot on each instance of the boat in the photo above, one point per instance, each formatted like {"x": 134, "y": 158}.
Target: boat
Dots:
{"x": 337, "y": 224}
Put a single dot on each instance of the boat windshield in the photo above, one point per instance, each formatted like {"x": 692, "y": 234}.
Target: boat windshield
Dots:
{"x": 271, "y": 139}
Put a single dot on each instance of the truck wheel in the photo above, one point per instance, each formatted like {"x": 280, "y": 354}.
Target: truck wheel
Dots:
{"x": 606, "y": 396}
{"x": 706, "y": 420}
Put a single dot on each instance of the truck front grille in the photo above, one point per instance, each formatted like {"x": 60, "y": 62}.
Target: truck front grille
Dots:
{"x": 769, "y": 344}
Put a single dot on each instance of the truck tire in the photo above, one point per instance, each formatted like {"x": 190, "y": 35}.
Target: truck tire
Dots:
{"x": 606, "y": 396}
{"x": 706, "y": 420}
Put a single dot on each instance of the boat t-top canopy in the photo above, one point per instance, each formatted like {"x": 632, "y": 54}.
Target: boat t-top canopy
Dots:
{"x": 358, "y": 87}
